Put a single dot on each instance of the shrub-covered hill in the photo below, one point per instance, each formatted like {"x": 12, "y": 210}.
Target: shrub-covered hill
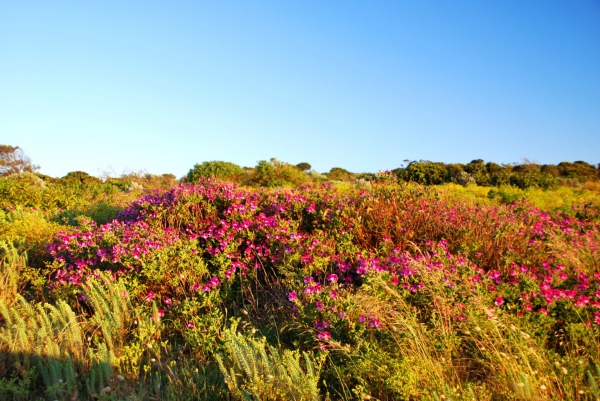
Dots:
{"x": 214, "y": 291}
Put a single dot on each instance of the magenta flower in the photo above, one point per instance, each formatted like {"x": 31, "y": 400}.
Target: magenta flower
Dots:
{"x": 499, "y": 301}
{"x": 191, "y": 325}
{"x": 319, "y": 306}
{"x": 292, "y": 296}
{"x": 324, "y": 335}
{"x": 149, "y": 296}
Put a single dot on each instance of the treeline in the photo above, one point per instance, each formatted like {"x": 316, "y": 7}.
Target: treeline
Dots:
{"x": 524, "y": 175}
{"x": 20, "y": 172}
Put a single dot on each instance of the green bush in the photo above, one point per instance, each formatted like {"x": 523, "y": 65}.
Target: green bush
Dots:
{"x": 215, "y": 169}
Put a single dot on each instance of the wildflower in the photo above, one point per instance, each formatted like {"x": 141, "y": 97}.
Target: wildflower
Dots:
{"x": 319, "y": 306}
{"x": 362, "y": 318}
{"x": 191, "y": 325}
{"x": 292, "y": 296}
{"x": 214, "y": 281}
{"x": 499, "y": 301}
{"x": 149, "y": 296}
{"x": 161, "y": 312}
{"x": 324, "y": 335}
{"x": 334, "y": 294}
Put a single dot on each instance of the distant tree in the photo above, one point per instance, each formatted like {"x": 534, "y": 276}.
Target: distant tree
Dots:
{"x": 13, "y": 160}
{"x": 478, "y": 170}
{"x": 275, "y": 173}
{"x": 426, "y": 172}
{"x": 303, "y": 166}
{"x": 80, "y": 177}
{"x": 340, "y": 174}
{"x": 217, "y": 169}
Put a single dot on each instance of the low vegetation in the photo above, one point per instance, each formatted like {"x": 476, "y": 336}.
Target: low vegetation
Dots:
{"x": 281, "y": 283}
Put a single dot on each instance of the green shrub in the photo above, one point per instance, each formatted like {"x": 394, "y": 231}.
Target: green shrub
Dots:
{"x": 215, "y": 169}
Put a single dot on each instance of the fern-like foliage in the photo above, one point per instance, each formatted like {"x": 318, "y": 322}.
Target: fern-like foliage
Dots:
{"x": 112, "y": 310}
{"x": 254, "y": 370}
{"x": 11, "y": 264}
{"x": 46, "y": 337}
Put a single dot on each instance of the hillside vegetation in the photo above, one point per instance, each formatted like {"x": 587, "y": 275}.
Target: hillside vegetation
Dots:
{"x": 278, "y": 282}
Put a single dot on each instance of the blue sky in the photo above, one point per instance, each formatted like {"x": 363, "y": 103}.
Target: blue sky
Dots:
{"x": 362, "y": 85}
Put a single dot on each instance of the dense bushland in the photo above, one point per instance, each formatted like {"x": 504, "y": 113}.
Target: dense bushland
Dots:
{"x": 326, "y": 291}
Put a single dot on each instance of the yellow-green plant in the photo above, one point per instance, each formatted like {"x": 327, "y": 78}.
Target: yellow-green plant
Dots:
{"x": 48, "y": 337}
{"x": 254, "y": 370}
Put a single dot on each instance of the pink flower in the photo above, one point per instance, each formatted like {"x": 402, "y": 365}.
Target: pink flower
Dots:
{"x": 149, "y": 296}
{"x": 499, "y": 301}
{"x": 319, "y": 306}
{"x": 292, "y": 296}
{"x": 334, "y": 294}
{"x": 324, "y": 335}
{"x": 161, "y": 312}
{"x": 191, "y": 325}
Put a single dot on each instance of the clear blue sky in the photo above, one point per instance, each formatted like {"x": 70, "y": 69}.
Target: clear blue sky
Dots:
{"x": 356, "y": 84}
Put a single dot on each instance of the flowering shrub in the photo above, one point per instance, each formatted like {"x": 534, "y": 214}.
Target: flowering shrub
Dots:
{"x": 390, "y": 282}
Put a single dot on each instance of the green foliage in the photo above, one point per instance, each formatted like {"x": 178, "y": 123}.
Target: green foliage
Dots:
{"x": 303, "y": 166}
{"x": 178, "y": 266}
{"x": 340, "y": 174}
{"x": 215, "y": 169}
{"x": 254, "y": 370}
{"x": 275, "y": 173}
{"x": 425, "y": 172}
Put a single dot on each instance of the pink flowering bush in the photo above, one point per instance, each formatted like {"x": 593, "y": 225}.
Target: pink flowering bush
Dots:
{"x": 403, "y": 293}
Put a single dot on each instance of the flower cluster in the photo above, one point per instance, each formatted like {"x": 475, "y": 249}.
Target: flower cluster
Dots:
{"x": 200, "y": 240}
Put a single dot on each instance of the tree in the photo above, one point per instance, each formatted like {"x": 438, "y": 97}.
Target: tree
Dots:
{"x": 218, "y": 169}
{"x": 14, "y": 160}
{"x": 303, "y": 166}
